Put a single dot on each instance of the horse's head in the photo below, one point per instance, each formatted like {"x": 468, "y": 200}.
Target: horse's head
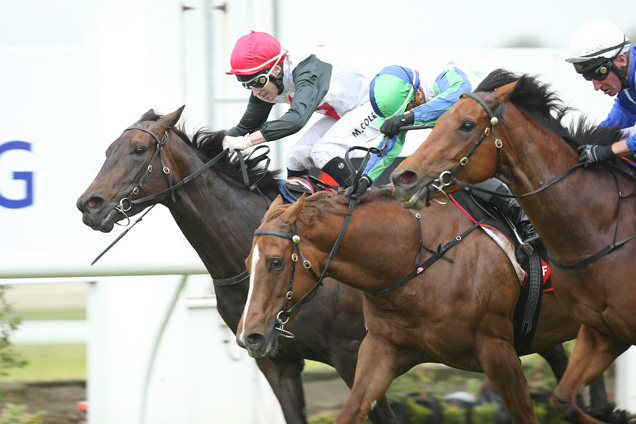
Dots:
{"x": 279, "y": 265}
{"x": 127, "y": 174}
{"x": 462, "y": 145}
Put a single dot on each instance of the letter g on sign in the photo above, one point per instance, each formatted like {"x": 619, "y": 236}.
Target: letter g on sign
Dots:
{"x": 25, "y": 176}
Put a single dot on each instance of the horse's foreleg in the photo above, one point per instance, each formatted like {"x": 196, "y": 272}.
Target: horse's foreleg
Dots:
{"x": 284, "y": 376}
{"x": 593, "y": 353}
{"x": 374, "y": 373}
{"x": 345, "y": 361}
{"x": 502, "y": 366}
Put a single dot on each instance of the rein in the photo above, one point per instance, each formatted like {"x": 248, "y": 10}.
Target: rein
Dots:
{"x": 607, "y": 249}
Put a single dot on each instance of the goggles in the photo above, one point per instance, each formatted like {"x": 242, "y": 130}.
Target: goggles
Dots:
{"x": 596, "y": 71}
{"x": 259, "y": 81}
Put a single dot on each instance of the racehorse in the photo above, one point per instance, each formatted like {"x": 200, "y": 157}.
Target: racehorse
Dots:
{"x": 584, "y": 216}
{"x": 459, "y": 314}
{"x": 217, "y": 213}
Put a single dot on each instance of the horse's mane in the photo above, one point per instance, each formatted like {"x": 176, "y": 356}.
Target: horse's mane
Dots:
{"x": 543, "y": 104}
{"x": 209, "y": 144}
{"x": 322, "y": 203}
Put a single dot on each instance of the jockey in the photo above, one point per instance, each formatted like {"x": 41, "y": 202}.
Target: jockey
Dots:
{"x": 401, "y": 98}
{"x": 309, "y": 79}
{"x": 602, "y": 54}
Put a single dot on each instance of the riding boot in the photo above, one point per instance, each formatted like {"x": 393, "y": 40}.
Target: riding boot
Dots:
{"x": 292, "y": 173}
{"x": 337, "y": 169}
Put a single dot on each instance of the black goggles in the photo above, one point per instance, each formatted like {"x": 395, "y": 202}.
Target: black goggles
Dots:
{"x": 599, "y": 70}
{"x": 257, "y": 82}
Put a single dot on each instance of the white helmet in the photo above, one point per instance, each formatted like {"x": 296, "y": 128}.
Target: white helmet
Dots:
{"x": 597, "y": 39}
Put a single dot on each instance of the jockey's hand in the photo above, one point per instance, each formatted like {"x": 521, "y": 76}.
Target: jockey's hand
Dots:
{"x": 363, "y": 184}
{"x": 237, "y": 143}
{"x": 591, "y": 153}
{"x": 391, "y": 126}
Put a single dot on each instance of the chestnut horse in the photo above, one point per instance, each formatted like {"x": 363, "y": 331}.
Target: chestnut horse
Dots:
{"x": 459, "y": 314}
{"x": 583, "y": 215}
{"x": 218, "y": 214}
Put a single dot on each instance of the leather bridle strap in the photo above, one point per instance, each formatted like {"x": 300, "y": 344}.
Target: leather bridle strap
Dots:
{"x": 428, "y": 262}
{"x": 285, "y": 313}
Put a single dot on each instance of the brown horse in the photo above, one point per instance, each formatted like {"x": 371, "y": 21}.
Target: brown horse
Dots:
{"x": 576, "y": 211}
{"x": 459, "y": 314}
{"x": 218, "y": 215}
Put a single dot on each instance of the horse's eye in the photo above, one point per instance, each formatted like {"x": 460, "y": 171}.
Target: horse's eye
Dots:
{"x": 467, "y": 126}
{"x": 275, "y": 264}
{"x": 139, "y": 149}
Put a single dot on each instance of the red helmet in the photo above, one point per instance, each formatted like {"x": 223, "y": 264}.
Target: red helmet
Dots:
{"x": 254, "y": 52}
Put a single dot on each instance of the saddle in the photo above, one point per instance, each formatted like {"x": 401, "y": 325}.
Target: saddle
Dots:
{"x": 292, "y": 188}
{"x": 535, "y": 268}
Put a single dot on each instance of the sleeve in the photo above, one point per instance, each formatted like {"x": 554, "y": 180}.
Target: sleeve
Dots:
{"x": 254, "y": 117}
{"x": 619, "y": 116}
{"x": 377, "y": 164}
{"x": 312, "y": 78}
{"x": 631, "y": 143}
{"x": 449, "y": 85}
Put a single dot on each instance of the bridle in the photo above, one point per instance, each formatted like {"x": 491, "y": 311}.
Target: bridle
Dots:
{"x": 283, "y": 316}
{"x": 447, "y": 178}
{"x": 127, "y": 202}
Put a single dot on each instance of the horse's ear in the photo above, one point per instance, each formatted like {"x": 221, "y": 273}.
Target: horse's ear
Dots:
{"x": 504, "y": 92}
{"x": 293, "y": 211}
{"x": 277, "y": 202}
{"x": 171, "y": 119}
{"x": 149, "y": 113}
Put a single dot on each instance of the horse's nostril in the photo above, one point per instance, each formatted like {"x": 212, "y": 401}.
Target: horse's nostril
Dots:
{"x": 406, "y": 177}
{"x": 254, "y": 340}
{"x": 93, "y": 202}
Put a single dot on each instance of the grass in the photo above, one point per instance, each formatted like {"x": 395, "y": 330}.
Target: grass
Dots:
{"x": 51, "y": 314}
{"x": 50, "y": 362}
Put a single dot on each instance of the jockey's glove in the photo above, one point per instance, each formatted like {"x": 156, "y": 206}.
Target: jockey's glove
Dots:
{"x": 591, "y": 153}
{"x": 391, "y": 126}
{"x": 237, "y": 143}
{"x": 363, "y": 184}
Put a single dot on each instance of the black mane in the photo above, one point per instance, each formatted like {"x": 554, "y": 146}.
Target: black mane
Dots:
{"x": 209, "y": 144}
{"x": 544, "y": 105}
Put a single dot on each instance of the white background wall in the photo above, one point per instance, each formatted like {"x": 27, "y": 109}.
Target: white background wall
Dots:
{"x": 75, "y": 73}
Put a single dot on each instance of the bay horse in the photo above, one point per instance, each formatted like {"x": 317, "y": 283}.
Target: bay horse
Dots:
{"x": 459, "y": 314}
{"x": 584, "y": 216}
{"x": 218, "y": 213}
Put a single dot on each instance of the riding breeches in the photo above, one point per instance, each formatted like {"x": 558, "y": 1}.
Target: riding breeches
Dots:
{"x": 328, "y": 138}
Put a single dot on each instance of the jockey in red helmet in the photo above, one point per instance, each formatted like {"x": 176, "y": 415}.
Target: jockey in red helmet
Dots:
{"x": 309, "y": 79}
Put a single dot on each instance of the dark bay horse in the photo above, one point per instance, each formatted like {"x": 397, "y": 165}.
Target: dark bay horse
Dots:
{"x": 459, "y": 314}
{"x": 218, "y": 215}
{"x": 578, "y": 214}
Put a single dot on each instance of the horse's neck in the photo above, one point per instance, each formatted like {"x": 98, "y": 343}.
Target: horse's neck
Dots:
{"x": 218, "y": 217}
{"x": 574, "y": 212}
{"x": 378, "y": 234}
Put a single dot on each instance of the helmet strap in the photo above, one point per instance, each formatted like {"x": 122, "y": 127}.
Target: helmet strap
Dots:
{"x": 278, "y": 81}
{"x": 622, "y": 72}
